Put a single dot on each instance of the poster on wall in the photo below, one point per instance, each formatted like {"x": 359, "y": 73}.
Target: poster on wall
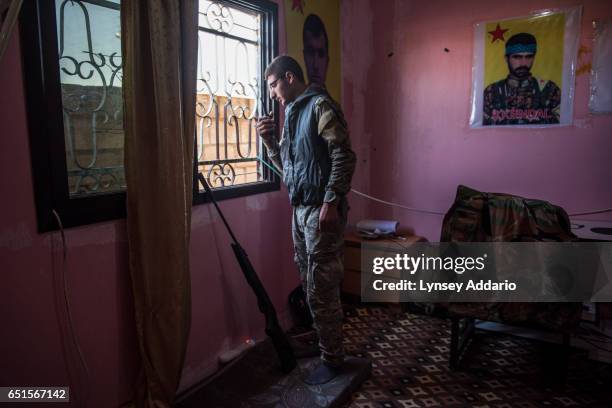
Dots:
{"x": 523, "y": 70}
{"x": 313, "y": 39}
{"x": 600, "y": 100}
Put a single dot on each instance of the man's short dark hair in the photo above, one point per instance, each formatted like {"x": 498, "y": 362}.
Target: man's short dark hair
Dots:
{"x": 315, "y": 26}
{"x": 282, "y": 64}
{"x": 522, "y": 42}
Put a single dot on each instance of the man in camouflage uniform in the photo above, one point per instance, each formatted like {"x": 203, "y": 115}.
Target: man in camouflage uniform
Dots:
{"x": 520, "y": 98}
{"x": 315, "y": 157}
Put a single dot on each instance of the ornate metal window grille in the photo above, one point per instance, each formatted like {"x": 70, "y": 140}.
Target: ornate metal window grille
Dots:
{"x": 89, "y": 47}
{"x": 72, "y": 65}
{"x": 72, "y": 69}
{"x": 230, "y": 94}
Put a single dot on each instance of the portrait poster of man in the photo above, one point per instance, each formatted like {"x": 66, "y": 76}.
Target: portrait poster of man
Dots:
{"x": 524, "y": 70}
{"x": 313, "y": 39}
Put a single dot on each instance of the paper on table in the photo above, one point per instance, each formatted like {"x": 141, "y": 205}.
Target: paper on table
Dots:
{"x": 378, "y": 227}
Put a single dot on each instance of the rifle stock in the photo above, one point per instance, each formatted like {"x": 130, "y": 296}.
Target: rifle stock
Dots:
{"x": 273, "y": 329}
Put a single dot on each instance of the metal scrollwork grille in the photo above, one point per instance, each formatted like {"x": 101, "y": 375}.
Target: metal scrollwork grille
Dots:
{"x": 89, "y": 40}
{"x": 228, "y": 94}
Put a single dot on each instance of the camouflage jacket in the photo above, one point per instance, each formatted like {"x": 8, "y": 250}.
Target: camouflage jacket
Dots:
{"x": 495, "y": 217}
{"x": 492, "y": 217}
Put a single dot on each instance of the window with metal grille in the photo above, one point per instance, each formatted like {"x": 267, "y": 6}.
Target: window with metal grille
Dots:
{"x": 89, "y": 46}
{"x": 236, "y": 40}
{"x": 73, "y": 80}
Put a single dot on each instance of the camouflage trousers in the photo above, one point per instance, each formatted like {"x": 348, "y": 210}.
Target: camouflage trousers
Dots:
{"x": 319, "y": 257}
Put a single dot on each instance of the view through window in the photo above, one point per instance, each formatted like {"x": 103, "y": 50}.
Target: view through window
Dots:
{"x": 89, "y": 42}
{"x": 72, "y": 57}
{"x": 229, "y": 94}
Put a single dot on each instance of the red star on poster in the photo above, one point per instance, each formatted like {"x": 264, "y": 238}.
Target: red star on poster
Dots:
{"x": 498, "y": 34}
{"x": 298, "y": 5}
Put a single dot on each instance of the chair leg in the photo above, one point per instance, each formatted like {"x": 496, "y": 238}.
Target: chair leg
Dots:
{"x": 454, "y": 345}
{"x": 556, "y": 363}
{"x": 564, "y": 361}
{"x": 460, "y": 339}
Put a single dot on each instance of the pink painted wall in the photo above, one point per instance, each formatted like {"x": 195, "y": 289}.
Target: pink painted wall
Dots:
{"x": 31, "y": 349}
{"x": 224, "y": 309}
{"x": 408, "y": 115}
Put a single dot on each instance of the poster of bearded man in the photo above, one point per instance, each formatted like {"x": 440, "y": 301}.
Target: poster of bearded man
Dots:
{"x": 524, "y": 70}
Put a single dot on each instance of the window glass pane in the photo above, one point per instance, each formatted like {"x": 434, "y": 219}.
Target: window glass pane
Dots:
{"x": 228, "y": 94}
{"x": 89, "y": 41}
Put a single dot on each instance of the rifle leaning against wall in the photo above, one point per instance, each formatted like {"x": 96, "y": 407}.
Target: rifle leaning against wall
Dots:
{"x": 273, "y": 329}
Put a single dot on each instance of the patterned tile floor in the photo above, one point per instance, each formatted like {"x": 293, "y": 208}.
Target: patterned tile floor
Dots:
{"x": 409, "y": 356}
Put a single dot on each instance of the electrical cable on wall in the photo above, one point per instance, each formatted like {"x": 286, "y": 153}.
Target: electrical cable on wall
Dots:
{"x": 395, "y": 204}
{"x": 365, "y": 195}
{"x": 67, "y": 308}
{"x": 605, "y": 210}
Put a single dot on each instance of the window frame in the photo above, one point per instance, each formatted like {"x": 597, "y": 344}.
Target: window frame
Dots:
{"x": 43, "y": 97}
{"x": 269, "y": 39}
{"x": 44, "y": 112}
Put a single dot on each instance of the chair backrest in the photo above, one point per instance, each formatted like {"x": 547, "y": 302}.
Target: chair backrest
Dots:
{"x": 492, "y": 217}
{"x": 496, "y": 217}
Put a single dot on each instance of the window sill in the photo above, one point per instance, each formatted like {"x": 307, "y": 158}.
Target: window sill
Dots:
{"x": 226, "y": 193}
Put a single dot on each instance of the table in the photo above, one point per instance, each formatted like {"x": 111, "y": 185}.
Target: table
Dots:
{"x": 351, "y": 284}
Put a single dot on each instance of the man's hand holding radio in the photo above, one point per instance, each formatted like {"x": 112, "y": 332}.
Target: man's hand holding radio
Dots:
{"x": 266, "y": 127}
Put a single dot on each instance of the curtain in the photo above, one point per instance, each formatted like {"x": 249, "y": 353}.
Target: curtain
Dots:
{"x": 159, "y": 79}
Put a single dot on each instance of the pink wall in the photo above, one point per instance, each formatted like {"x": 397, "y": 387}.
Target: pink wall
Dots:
{"x": 408, "y": 117}
{"x": 409, "y": 112}
{"x": 224, "y": 309}
{"x": 31, "y": 266}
